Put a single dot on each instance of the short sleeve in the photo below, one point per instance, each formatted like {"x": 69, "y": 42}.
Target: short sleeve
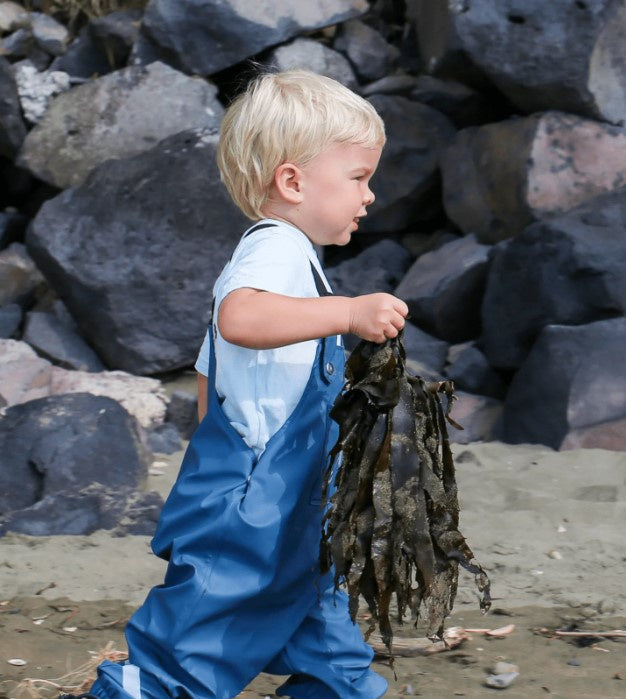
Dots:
{"x": 266, "y": 262}
{"x": 202, "y": 363}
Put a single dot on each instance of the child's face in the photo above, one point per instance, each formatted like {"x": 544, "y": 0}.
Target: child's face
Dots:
{"x": 335, "y": 191}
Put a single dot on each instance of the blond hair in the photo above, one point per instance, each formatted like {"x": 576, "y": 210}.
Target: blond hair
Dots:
{"x": 291, "y": 116}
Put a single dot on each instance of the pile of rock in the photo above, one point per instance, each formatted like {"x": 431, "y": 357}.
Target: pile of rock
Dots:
{"x": 500, "y": 211}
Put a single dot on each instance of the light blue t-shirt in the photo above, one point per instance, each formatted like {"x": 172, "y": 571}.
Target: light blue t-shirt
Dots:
{"x": 260, "y": 388}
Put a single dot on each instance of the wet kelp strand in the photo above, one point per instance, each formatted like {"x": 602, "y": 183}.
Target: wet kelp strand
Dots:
{"x": 391, "y": 527}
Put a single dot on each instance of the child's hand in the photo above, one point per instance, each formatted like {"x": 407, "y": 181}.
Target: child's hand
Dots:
{"x": 377, "y": 317}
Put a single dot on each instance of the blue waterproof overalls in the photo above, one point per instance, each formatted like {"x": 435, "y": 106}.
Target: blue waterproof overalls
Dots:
{"x": 243, "y": 593}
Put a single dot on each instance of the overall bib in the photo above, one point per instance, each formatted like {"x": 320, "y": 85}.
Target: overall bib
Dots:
{"x": 243, "y": 593}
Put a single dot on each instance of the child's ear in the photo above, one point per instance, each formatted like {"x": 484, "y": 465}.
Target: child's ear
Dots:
{"x": 288, "y": 183}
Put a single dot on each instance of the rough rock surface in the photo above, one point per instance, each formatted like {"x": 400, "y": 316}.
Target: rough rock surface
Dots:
{"x": 368, "y": 50}
{"x": 443, "y": 289}
{"x": 55, "y": 341}
{"x": 12, "y": 127}
{"x": 500, "y": 177}
{"x": 406, "y": 180}
{"x": 566, "y": 270}
{"x": 573, "y": 378}
{"x": 135, "y": 251}
{"x": 37, "y": 88}
{"x": 20, "y": 280}
{"x": 65, "y": 443}
{"x": 118, "y": 115}
{"x": 315, "y": 56}
{"x": 542, "y": 55}
{"x": 24, "y": 375}
{"x": 203, "y": 38}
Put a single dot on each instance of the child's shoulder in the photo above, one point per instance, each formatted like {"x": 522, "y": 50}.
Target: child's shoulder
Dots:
{"x": 274, "y": 239}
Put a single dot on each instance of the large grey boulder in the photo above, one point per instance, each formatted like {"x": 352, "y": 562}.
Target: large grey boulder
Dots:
{"x": 118, "y": 115}
{"x": 443, "y": 289}
{"x": 12, "y": 127}
{"x": 542, "y": 55}
{"x": 203, "y": 37}
{"x": 134, "y": 252}
{"x": 568, "y": 270}
{"x": 313, "y": 55}
{"x": 59, "y": 446}
{"x": 67, "y": 442}
{"x": 408, "y": 174}
{"x": 500, "y": 177}
{"x": 369, "y": 52}
{"x": 573, "y": 378}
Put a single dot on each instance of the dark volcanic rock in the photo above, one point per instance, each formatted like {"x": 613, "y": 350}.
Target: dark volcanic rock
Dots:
{"x": 58, "y": 343}
{"x": 182, "y": 411}
{"x": 566, "y": 270}
{"x": 10, "y": 319}
{"x": 380, "y": 267}
{"x": 406, "y": 182}
{"x": 499, "y": 178}
{"x": 471, "y": 372}
{"x": 573, "y": 378}
{"x": 369, "y": 52}
{"x": 443, "y": 289}
{"x": 124, "y": 510}
{"x": 64, "y": 443}
{"x": 562, "y": 54}
{"x": 12, "y": 127}
{"x": 118, "y": 115}
{"x": 205, "y": 37}
{"x": 135, "y": 251}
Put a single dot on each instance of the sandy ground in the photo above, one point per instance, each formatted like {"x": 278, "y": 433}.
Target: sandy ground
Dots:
{"x": 547, "y": 526}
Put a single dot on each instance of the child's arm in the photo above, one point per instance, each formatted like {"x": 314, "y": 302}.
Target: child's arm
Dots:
{"x": 203, "y": 387}
{"x": 264, "y": 320}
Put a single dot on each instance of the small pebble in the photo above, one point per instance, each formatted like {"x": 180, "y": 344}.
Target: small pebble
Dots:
{"x": 501, "y": 681}
{"x": 553, "y": 553}
{"x": 16, "y": 661}
{"x": 561, "y": 529}
{"x": 503, "y": 668}
{"x": 574, "y": 662}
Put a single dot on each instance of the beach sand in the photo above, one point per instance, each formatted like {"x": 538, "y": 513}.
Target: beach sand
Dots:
{"x": 547, "y": 526}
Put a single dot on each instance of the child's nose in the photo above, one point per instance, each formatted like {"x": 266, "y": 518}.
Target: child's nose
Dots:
{"x": 368, "y": 197}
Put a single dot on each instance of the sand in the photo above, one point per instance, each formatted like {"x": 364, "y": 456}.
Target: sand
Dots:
{"x": 547, "y": 526}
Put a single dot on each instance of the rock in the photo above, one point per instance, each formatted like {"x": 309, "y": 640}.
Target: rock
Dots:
{"x": 36, "y": 89}
{"x": 12, "y": 225}
{"x": 567, "y": 270}
{"x": 182, "y": 411}
{"x": 426, "y": 353}
{"x": 315, "y": 56}
{"x": 418, "y": 243}
{"x": 463, "y": 105}
{"x": 368, "y": 50}
{"x": 573, "y": 378}
{"x": 20, "y": 280}
{"x": 135, "y": 251}
{"x": 12, "y": 127}
{"x": 444, "y": 289}
{"x": 164, "y": 439}
{"x": 397, "y": 84}
{"x": 56, "y": 342}
{"x": 609, "y": 435}
{"x": 542, "y": 55}
{"x": 116, "y": 33}
{"x": 12, "y": 16}
{"x": 84, "y": 58}
{"x": 23, "y": 375}
{"x": 501, "y": 681}
{"x": 10, "y": 319}
{"x": 118, "y": 115}
{"x": 499, "y": 178}
{"x": 203, "y": 38}
{"x": 407, "y": 176}
{"x": 479, "y": 416}
{"x": 380, "y": 267}
{"x": 471, "y": 372}
{"x": 67, "y": 442}
{"x": 49, "y": 35}
{"x": 142, "y": 397}
{"x": 124, "y": 510}
{"x": 18, "y": 44}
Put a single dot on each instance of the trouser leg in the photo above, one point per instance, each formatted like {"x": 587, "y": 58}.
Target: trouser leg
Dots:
{"x": 327, "y": 656}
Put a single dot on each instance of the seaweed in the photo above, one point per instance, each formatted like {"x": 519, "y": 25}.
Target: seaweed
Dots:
{"x": 391, "y": 525}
